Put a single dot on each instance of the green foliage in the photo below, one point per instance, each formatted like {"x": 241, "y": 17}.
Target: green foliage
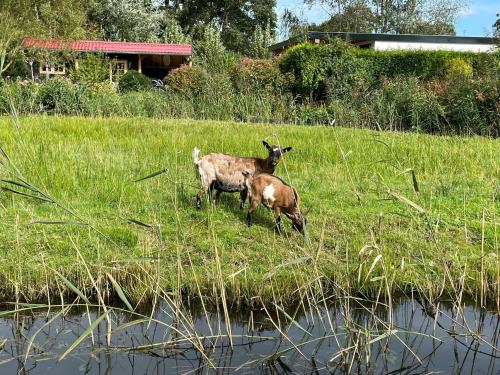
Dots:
{"x": 92, "y": 69}
{"x": 457, "y": 69}
{"x": 134, "y": 81}
{"x": 60, "y": 96}
{"x": 186, "y": 80}
{"x": 173, "y": 32}
{"x": 127, "y": 20}
{"x": 254, "y": 75}
{"x": 210, "y": 52}
{"x": 260, "y": 42}
{"x": 404, "y": 104}
{"x": 236, "y": 19}
{"x": 474, "y": 107}
{"x": 309, "y": 66}
{"x": 391, "y": 16}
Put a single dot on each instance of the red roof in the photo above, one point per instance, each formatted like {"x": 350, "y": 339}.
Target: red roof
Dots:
{"x": 111, "y": 47}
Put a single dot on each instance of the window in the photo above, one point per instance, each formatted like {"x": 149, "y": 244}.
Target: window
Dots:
{"x": 117, "y": 68}
{"x": 52, "y": 69}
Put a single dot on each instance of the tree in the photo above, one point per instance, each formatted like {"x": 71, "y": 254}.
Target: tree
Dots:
{"x": 261, "y": 40}
{"x": 292, "y": 25}
{"x": 236, "y": 19}
{"x": 172, "y": 30}
{"x": 496, "y": 27}
{"x": 128, "y": 20}
{"x": 391, "y": 16}
{"x": 210, "y": 52}
{"x": 62, "y": 19}
{"x": 354, "y": 17}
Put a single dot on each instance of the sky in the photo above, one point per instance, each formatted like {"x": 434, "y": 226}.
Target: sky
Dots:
{"x": 475, "y": 20}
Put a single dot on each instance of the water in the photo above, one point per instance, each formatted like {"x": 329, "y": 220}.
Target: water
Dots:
{"x": 358, "y": 338}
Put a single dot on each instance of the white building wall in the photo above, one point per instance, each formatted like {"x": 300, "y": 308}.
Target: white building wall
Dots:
{"x": 384, "y": 46}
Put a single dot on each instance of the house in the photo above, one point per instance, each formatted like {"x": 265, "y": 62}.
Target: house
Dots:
{"x": 154, "y": 60}
{"x": 383, "y": 42}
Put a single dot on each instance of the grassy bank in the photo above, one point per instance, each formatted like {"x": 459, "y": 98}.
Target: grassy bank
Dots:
{"x": 390, "y": 212}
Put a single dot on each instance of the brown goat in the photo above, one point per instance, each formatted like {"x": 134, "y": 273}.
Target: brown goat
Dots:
{"x": 274, "y": 193}
{"x": 223, "y": 172}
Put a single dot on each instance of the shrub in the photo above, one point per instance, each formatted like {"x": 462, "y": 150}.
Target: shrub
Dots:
{"x": 186, "y": 80}
{"x": 134, "y": 81}
{"x": 457, "y": 69}
{"x": 308, "y": 64}
{"x": 60, "y": 96}
{"x": 404, "y": 104}
{"x": 474, "y": 107}
{"x": 209, "y": 51}
{"x": 256, "y": 75}
{"x": 92, "y": 69}
{"x": 22, "y": 95}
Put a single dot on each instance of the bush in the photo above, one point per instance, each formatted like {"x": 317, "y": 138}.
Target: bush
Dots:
{"x": 404, "y": 104}
{"x": 473, "y": 107}
{"x": 327, "y": 71}
{"x": 210, "y": 53}
{"x": 457, "y": 69}
{"x": 92, "y": 70}
{"x": 187, "y": 80}
{"x": 256, "y": 75}
{"x": 22, "y": 95}
{"x": 60, "y": 96}
{"x": 134, "y": 81}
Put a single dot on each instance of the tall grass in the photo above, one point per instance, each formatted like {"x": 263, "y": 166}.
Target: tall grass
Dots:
{"x": 390, "y": 213}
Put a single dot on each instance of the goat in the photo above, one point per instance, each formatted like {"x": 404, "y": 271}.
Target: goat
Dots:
{"x": 274, "y": 193}
{"x": 223, "y": 172}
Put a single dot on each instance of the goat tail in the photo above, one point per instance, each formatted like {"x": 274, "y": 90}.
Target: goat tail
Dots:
{"x": 196, "y": 155}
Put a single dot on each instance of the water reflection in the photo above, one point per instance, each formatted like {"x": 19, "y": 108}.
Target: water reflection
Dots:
{"x": 347, "y": 338}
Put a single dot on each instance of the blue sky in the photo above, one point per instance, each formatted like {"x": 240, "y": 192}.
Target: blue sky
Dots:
{"x": 475, "y": 20}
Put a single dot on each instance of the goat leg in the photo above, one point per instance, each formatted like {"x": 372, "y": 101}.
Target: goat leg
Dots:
{"x": 277, "y": 217}
{"x": 217, "y": 196}
{"x": 243, "y": 198}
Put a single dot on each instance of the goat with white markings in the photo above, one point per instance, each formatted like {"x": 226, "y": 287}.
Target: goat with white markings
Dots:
{"x": 223, "y": 172}
{"x": 276, "y": 194}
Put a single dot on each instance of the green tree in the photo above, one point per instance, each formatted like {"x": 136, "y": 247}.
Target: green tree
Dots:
{"x": 210, "y": 52}
{"x": 355, "y": 17}
{"x": 172, "y": 30}
{"x": 496, "y": 27}
{"x": 237, "y": 19}
{"x": 127, "y": 20}
{"x": 261, "y": 40}
{"x": 62, "y": 19}
{"x": 391, "y": 16}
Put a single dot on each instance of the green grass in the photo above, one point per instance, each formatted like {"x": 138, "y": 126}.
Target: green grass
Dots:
{"x": 90, "y": 165}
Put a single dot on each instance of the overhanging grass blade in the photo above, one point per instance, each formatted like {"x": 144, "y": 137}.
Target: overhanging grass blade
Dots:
{"x": 293, "y": 321}
{"x": 25, "y": 195}
{"x": 59, "y": 223}
{"x": 73, "y": 287}
{"x": 82, "y": 337}
{"x": 20, "y": 184}
{"x": 152, "y": 175}
{"x": 120, "y": 293}
{"x": 133, "y": 221}
{"x": 407, "y": 201}
{"x": 32, "y": 339}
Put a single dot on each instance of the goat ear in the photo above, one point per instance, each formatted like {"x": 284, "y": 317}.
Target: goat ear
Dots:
{"x": 286, "y": 149}
{"x": 266, "y": 145}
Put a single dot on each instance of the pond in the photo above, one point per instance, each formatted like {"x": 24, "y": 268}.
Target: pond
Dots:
{"x": 347, "y": 337}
